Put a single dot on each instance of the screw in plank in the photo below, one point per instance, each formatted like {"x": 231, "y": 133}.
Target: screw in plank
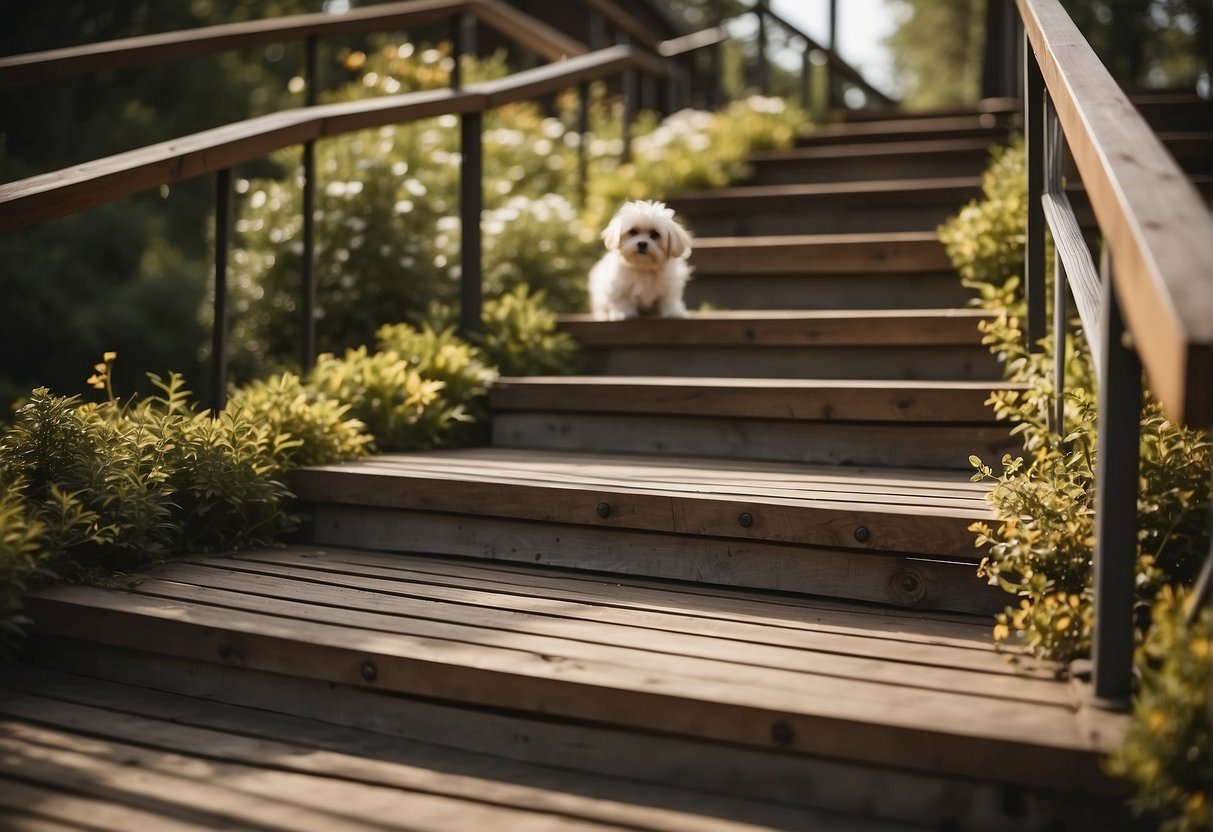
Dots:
{"x": 604, "y": 510}
{"x": 226, "y": 650}
{"x": 745, "y": 519}
{"x": 862, "y": 534}
{"x": 782, "y": 734}
{"x": 369, "y": 672}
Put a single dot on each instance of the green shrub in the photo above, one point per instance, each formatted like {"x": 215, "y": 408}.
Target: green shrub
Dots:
{"x": 1041, "y": 547}
{"x": 20, "y": 563}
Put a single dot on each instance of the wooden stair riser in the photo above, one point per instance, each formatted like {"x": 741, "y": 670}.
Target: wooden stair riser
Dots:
{"x": 866, "y": 522}
{"x": 895, "y": 580}
{"x": 820, "y": 292}
{"x": 816, "y": 166}
{"x": 943, "y": 129}
{"x": 912, "y": 446}
{"x": 645, "y": 759}
{"x": 811, "y": 209}
{"x": 945, "y": 363}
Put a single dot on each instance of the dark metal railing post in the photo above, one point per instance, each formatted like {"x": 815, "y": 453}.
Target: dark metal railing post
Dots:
{"x": 806, "y": 77}
{"x": 628, "y": 83}
{"x": 764, "y": 71}
{"x": 471, "y": 200}
{"x": 223, "y": 223}
{"x": 1120, "y": 395}
{"x": 457, "y": 52}
{"x": 1054, "y": 149}
{"x": 583, "y": 131}
{"x": 307, "y": 305}
{"x": 716, "y": 72}
{"x": 1034, "y": 254}
{"x": 832, "y": 45}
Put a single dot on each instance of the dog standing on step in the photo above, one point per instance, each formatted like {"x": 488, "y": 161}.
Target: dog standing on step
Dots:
{"x": 645, "y": 268}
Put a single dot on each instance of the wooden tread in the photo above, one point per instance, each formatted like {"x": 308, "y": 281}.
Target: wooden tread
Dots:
{"x": 752, "y": 673}
{"x": 871, "y": 161}
{"x": 825, "y": 254}
{"x": 992, "y": 126}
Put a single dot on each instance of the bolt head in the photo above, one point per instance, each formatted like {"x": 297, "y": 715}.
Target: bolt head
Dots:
{"x": 745, "y": 519}
{"x": 369, "y": 672}
{"x": 604, "y": 510}
{"x": 863, "y": 534}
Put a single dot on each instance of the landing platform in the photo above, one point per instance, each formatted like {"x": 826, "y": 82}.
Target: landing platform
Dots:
{"x": 529, "y": 698}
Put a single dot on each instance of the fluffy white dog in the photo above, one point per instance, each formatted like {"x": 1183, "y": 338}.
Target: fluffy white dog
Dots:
{"x": 645, "y": 267}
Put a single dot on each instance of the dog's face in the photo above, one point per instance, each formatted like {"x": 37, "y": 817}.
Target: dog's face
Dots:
{"x": 646, "y": 235}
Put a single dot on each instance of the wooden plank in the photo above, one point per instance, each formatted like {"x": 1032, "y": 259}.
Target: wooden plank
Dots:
{"x": 44, "y": 808}
{"x": 711, "y": 605}
{"x": 1159, "y": 231}
{"x": 924, "y": 525}
{"x": 837, "y": 655}
{"x": 859, "y": 400}
{"x": 826, "y": 254}
{"x": 343, "y": 718}
{"x": 1038, "y": 744}
{"x": 431, "y": 772}
{"x": 922, "y": 446}
{"x": 834, "y": 573}
{"x": 247, "y": 795}
{"x": 771, "y": 329}
{"x": 952, "y": 191}
{"x": 880, "y": 288}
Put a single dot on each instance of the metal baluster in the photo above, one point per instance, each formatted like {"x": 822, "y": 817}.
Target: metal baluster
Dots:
{"x": 223, "y": 222}
{"x": 629, "y": 105}
{"x": 806, "y": 77}
{"x": 307, "y": 306}
{"x": 1053, "y": 154}
{"x": 832, "y": 44}
{"x": 764, "y": 71}
{"x": 583, "y": 129}
{"x": 457, "y": 47}
{"x": 1120, "y": 392}
{"x": 471, "y": 199}
{"x": 1034, "y": 255}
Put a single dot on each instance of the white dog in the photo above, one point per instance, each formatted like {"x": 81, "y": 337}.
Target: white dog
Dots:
{"x": 645, "y": 267}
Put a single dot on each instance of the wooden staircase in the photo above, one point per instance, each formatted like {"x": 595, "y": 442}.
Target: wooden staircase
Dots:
{"x": 721, "y": 581}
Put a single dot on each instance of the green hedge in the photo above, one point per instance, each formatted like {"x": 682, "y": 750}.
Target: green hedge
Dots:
{"x": 1040, "y": 548}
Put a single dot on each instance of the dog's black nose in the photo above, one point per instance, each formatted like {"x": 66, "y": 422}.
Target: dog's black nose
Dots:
{"x": 643, "y": 245}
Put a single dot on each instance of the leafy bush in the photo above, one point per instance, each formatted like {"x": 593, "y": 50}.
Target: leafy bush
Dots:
{"x": 1167, "y": 748}
{"x": 1042, "y": 545}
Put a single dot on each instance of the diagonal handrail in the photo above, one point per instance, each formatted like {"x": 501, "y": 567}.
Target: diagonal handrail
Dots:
{"x": 38, "y": 67}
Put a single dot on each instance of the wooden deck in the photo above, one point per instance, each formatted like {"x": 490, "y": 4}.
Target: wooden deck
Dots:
{"x": 322, "y": 689}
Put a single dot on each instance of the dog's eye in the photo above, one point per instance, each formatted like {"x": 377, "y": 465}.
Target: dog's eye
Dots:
{"x": 633, "y": 232}
{"x": 654, "y": 235}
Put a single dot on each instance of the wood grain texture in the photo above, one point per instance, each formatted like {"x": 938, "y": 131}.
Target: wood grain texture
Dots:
{"x": 842, "y": 400}
{"x": 1159, "y": 231}
{"x": 829, "y": 254}
{"x": 689, "y": 683}
{"x": 785, "y": 504}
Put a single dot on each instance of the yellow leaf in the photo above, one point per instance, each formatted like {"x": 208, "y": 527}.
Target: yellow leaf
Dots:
{"x": 1001, "y": 632}
{"x": 1060, "y": 624}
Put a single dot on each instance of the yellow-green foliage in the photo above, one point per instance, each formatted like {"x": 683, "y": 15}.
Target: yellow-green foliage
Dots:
{"x": 1167, "y": 751}
{"x": 1041, "y": 547}
{"x": 521, "y": 339}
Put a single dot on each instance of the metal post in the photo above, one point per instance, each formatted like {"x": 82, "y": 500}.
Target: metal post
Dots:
{"x": 597, "y": 31}
{"x": 457, "y": 52}
{"x": 1059, "y": 345}
{"x": 764, "y": 71}
{"x": 806, "y": 78}
{"x": 629, "y": 105}
{"x": 223, "y": 223}
{"x": 583, "y": 128}
{"x": 307, "y": 305}
{"x": 1034, "y": 254}
{"x": 471, "y": 199}
{"x": 716, "y": 88}
{"x": 831, "y": 95}
{"x": 1120, "y": 392}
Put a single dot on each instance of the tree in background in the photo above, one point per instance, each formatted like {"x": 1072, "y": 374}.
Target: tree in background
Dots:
{"x": 938, "y": 45}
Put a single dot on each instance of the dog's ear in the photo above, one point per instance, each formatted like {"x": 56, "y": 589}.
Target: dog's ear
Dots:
{"x": 680, "y": 240}
{"x": 610, "y": 234}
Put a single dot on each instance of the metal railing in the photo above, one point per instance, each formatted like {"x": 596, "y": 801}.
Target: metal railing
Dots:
{"x": 1148, "y": 306}
{"x": 60, "y": 193}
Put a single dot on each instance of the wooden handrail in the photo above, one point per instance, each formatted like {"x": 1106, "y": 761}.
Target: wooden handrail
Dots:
{"x": 71, "y": 190}
{"x": 626, "y": 23}
{"x": 1156, "y": 226}
{"x": 38, "y": 67}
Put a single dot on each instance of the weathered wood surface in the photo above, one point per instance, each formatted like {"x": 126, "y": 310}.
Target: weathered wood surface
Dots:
{"x": 755, "y": 670}
{"x": 914, "y": 512}
{"x": 842, "y": 400}
{"x": 779, "y": 440}
{"x": 1159, "y": 231}
{"x": 871, "y": 161}
{"x": 829, "y": 254}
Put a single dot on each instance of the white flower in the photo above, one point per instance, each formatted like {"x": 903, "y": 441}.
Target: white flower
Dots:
{"x": 403, "y": 206}
{"x": 447, "y": 224}
{"x": 448, "y": 121}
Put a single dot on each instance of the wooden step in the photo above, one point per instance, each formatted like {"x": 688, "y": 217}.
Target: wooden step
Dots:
{"x": 833, "y": 208}
{"x": 854, "y": 422}
{"x": 791, "y": 704}
{"x": 871, "y": 161}
{"x": 998, "y": 106}
{"x": 875, "y": 535}
{"x": 992, "y": 127}
{"x": 874, "y": 344}
{"x": 844, "y": 271}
